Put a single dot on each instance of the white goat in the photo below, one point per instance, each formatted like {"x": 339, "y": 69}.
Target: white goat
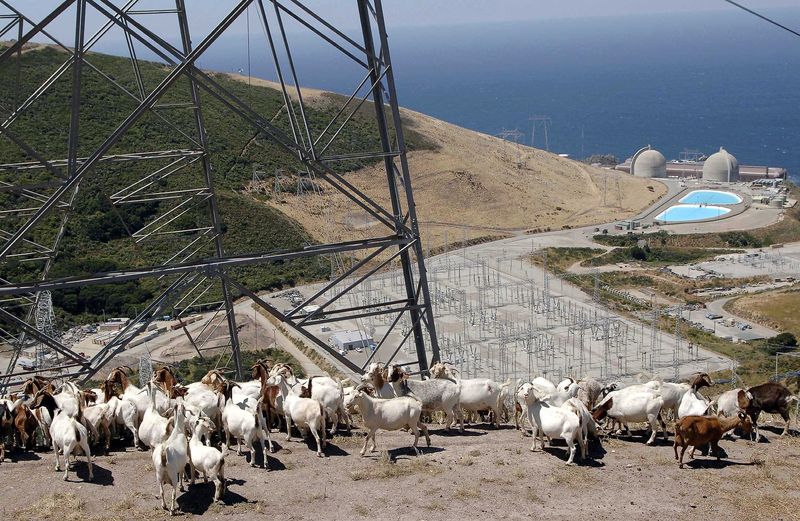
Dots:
{"x": 477, "y": 394}
{"x": 97, "y": 416}
{"x": 153, "y": 427}
{"x": 627, "y": 405}
{"x": 242, "y": 419}
{"x": 693, "y": 404}
{"x": 326, "y": 390}
{"x": 121, "y": 412}
{"x": 170, "y": 459}
{"x": 390, "y": 415}
{"x": 305, "y": 412}
{"x": 66, "y": 432}
{"x": 207, "y": 460}
{"x": 136, "y": 395}
{"x": 731, "y": 402}
{"x": 554, "y": 422}
{"x": 436, "y": 394}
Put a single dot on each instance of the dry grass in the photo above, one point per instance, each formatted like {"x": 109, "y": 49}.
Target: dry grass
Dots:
{"x": 384, "y": 468}
{"x": 61, "y": 506}
{"x": 354, "y": 441}
{"x": 464, "y": 493}
{"x": 466, "y": 461}
{"x": 571, "y": 475}
{"x": 544, "y": 192}
{"x": 776, "y": 309}
{"x": 361, "y": 510}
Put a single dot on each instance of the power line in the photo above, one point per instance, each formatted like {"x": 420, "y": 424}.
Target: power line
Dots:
{"x": 773, "y": 22}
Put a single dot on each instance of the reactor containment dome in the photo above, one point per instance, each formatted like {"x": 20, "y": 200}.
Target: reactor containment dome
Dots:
{"x": 721, "y": 167}
{"x": 649, "y": 162}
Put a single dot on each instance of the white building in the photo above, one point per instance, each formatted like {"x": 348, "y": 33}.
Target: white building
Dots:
{"x": 348, "y": 340}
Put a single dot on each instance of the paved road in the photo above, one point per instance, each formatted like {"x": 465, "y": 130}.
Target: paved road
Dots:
{"x": 757, "y": 331}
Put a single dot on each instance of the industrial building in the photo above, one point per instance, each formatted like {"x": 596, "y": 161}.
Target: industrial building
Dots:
{"x": 349, "y": 340}
{"x": 721, "y": 167}
{"x": 649, "y": 162}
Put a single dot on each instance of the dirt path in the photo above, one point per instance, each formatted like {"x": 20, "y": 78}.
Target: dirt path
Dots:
{"x": 310, "y": 368}
{"x": 483, "y": 474}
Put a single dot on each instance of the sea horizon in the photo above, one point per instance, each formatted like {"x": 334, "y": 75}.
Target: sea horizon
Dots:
{"x": 608, "y": 85}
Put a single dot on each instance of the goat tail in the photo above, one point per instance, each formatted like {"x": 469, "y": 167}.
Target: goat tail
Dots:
{"x": 76, "y": 427}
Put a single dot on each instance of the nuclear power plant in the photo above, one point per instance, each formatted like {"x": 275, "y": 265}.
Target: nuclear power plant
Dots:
{"x": 720, "y": 167}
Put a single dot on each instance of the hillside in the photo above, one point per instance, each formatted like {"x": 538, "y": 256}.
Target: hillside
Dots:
{"x": 461, "y": 178}
{"x": 490, "y": 186}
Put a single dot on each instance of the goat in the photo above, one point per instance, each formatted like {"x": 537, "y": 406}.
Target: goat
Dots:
{"x": 390, "y": 415}
{"x": 771, "y": 398}
{"x": 326, "y": 390}
{"x": 242, "y": 418}
{"x": 699, "y": 430}
{"x": 121, "y": 411}
{"x": 305, "y": 412}
{"x": 588, "y": 425}
{"x": 208, "y": 460}
{"x": 435, "y": 394}
{"x": 153, "y": 428}
{"x": 589, "y": 392}
{"x": 554, "y": 422}
{"x": 730, "y": 403}
{"x": 633, "y": 406}
{"x": 198, "y": 400}
{"x": 477, "y": 394}
{"x": 568, "y": 385}
{"x": 378, "y": 377}
{"x": 170, "y": 458}
{"x": 66, "y": 432}
{"x": 270, "y": 394}
{"x": 135, "y": 395}
{"x": 7, "y": 415}
{"x": 25, "y": 425}
{"x": 98, "y": 418}
{"x": 693, "y": 404}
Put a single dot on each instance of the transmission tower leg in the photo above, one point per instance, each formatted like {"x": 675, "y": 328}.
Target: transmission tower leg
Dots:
{"x": 413, "y": 294}
{"x": 209, "y": 182}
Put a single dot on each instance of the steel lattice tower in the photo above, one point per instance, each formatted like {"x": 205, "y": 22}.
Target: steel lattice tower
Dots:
{"x": 45, "y": 185}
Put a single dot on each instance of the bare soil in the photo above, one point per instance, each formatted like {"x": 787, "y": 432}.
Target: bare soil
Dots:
{"x": 482, "y": 474}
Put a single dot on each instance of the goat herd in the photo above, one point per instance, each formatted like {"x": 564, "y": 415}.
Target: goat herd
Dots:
{"x": 182, "y": 423}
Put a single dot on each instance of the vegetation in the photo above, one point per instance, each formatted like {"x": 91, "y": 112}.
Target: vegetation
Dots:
{"x": 104, "y": 234}
{"x": 559, "y": 260}
{"x": 193, "y": 369}
{"x": 601, "y": 159}
{"x": 777, "y": 309}
{"x": 659, "y": 255}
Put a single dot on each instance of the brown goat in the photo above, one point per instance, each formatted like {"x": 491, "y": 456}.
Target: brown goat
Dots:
{"x": 699, "y": 430}
{"x": 25, "y": 424}
{"x": 269, "y": 393}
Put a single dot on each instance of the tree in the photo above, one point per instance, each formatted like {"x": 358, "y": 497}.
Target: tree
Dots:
{"x": 638, "y": 253}
{"x": 784, "y": 339}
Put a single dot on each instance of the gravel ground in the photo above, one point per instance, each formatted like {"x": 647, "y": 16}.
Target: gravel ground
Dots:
{"x": 483, "y": 473}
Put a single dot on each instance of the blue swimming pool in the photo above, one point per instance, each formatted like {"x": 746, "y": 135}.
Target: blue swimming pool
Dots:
{"x": 710, "y": 197}
{"x": 691, "y": 212}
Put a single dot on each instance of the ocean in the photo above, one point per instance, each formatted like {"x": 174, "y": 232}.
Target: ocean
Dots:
{"x": 609, "y": 85}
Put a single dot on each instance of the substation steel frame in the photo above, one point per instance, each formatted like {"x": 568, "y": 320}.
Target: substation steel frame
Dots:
{"x": 401, "y": 243}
